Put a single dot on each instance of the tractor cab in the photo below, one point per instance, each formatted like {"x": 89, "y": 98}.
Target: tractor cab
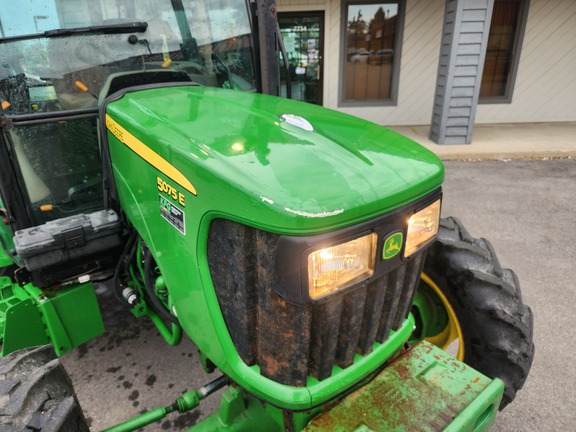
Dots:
{"x": 56, "y": 71}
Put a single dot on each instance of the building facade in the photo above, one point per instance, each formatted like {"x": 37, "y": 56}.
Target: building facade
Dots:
{"x": 508, "y": 61}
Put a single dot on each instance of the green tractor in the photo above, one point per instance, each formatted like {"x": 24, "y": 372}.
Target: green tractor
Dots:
{"x": 143, "y": 149}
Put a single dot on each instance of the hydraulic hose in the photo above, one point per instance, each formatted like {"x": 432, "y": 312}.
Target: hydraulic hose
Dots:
{"x": 124, "y": 261}
{"x": 155, "y": 302}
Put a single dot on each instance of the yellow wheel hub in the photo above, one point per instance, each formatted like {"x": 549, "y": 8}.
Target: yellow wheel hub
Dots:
{"x": 452, "y": 331}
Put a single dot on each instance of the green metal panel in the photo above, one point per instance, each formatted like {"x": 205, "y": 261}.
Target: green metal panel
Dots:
{"x": 77, "y": 309}
{"x": 21, "y": 324}
{"x": 6, "y": 242}
{"x": 244, "y": 160}
{"x": 71, "y": 314}
{"x": 426, "y": 390}
{"x": 23, "y": 328}
{"x": 65, "y": 318}
{"x": 183, "y": 156}
{"x": 5, "y": 260}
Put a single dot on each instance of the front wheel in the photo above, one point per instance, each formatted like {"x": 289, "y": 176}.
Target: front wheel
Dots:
{"x": 470, "y": 306}
{"x": 36, "y": 394}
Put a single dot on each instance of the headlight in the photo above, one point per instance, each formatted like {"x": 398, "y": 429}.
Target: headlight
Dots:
{"x": 422, "y": 227}
{"x": 335, "y": 267}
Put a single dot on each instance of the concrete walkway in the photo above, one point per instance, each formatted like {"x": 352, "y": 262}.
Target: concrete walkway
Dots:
{"x": 504, "y": 141}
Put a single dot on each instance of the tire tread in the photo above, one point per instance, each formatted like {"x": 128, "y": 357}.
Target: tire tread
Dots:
{"x": 38, "y": 395}
{"x": 497, "y": 326}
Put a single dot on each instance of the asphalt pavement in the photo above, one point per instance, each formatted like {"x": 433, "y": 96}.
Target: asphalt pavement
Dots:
{"x": 527, "y": 209}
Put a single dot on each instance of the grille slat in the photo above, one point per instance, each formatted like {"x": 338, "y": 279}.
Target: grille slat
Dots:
{"x": 372, "y": 313}
{"x": 325, "y": 328}
{"x": 393, "y": 291}
{"x": 413, "y": 271}
{"x": 350, "y": 326}
{"x": 287, "y": 341}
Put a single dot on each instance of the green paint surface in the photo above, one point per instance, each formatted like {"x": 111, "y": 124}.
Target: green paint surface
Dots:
{"x": 6, "y": 242}
{"x": 245, "y": 161}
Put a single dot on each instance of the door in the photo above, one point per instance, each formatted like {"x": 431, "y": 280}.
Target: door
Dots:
{"x": 303, "y": 35}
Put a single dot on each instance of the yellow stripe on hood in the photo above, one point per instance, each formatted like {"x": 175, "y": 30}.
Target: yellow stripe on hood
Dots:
{"x": 148, "y": 154}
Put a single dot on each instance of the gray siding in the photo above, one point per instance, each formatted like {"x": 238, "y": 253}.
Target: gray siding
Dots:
{"x": 462, "y": 52}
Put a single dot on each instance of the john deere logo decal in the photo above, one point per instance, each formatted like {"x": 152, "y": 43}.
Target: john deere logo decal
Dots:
{"x": 392, "y": 246}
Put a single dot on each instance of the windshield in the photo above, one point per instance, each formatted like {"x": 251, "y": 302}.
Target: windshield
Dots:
{"x": 117, "y": 43}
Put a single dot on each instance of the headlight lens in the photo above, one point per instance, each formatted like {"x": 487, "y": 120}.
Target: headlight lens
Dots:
{"x": 422, "y": 227}
{"x": 335, "y": 267}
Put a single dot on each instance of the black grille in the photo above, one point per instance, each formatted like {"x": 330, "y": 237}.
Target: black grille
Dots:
{"x": 290, "y": 342}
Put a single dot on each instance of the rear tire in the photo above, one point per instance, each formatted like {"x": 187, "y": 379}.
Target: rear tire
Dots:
{"x": 36, "y": 394}
{"x": 496, "y": 326}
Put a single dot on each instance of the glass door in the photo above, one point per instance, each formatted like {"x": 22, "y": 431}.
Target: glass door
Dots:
{"x": 303, "y": 35}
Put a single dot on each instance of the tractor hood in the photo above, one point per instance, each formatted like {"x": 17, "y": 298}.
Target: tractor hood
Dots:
{"x": 273, "y": 163}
